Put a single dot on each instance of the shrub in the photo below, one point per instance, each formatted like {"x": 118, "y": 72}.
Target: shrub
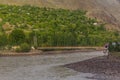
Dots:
{"x": 3, "y": 40}
{"x": 17, "y": 50}
{"x": 117, "y": 48}
{"x": 17, "y": 37}
{"x": 111, "y": 47}
{"x": 25, "y": 47}
{"x": 114, "y": 47}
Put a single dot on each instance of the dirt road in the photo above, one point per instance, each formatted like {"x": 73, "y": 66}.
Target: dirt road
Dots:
{"x": 44, "y": 67}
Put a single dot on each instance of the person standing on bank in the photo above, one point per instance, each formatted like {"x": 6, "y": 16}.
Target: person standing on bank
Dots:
{"x": 106, "y": 50}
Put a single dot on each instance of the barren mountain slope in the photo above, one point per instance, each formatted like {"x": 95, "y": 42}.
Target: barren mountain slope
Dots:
{"x": 105, "y": 10}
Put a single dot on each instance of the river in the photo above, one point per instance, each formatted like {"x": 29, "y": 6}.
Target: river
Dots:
{"x": 44, "y": 67}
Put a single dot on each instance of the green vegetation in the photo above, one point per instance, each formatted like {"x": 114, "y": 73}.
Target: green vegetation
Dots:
{"x": 3, "y": 40}
{"x": 114, "y": 46}
{"x": 42, "y": 27}
{"x": 24, "y": 47}
{"x": 17, "y": 37}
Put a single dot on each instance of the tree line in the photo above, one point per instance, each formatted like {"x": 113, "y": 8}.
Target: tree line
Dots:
{"x": 42, "y": 27}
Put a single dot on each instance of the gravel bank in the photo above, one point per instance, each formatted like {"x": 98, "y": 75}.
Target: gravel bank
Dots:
{"x": 104, "y": 68}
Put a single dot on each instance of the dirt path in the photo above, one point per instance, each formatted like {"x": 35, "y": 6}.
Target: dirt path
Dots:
{"x": 44, "y": 67}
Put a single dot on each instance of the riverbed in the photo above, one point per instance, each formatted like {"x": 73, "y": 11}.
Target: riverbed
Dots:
{"x": 45, "y": 67}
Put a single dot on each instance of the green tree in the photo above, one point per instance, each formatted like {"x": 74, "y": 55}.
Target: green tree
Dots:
{"x": 17, "y": 37}
{"x": 3, "y": 40}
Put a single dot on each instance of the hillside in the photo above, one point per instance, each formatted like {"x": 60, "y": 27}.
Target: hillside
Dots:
{"x": 44, "y": 27}
{"x": 104, "y": 10}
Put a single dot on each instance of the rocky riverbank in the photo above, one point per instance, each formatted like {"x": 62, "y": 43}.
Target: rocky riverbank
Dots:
{"x": 100, "y": 66}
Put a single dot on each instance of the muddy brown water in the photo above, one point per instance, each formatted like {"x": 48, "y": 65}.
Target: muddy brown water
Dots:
{"x": 44, "y": 67}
